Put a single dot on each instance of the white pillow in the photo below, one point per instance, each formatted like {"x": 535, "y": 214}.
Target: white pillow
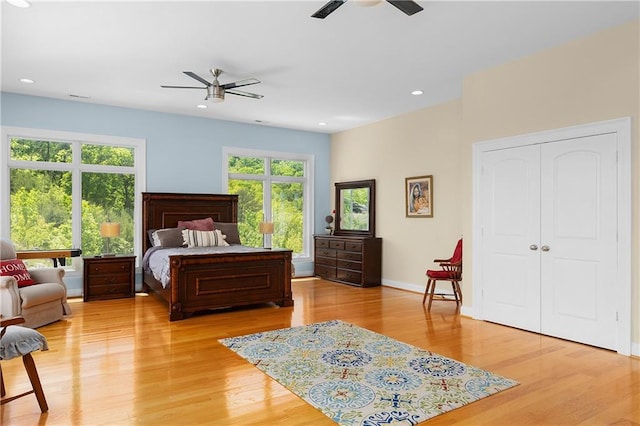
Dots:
{"x": 194, "y": 238}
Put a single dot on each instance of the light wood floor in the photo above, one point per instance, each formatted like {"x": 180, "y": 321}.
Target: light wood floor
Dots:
{"x": 122, "y": 362}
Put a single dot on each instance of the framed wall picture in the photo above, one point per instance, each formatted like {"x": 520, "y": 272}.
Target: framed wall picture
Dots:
{"x": 418, "y": 192}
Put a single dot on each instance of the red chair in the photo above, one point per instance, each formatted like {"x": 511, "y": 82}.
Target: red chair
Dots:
{"x": 450, "y": 270}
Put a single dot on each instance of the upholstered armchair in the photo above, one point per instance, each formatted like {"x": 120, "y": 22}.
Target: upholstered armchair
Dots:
{"x": 39, "y": 304}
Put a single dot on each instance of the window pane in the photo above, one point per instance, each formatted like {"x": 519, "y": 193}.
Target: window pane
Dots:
{"x": 31, "y": 150}
{"x": 107, "y": 197}
{"x": 40, "y": 211}
{"x": 287, "y": 206}
{"x": 250, "y": 213}
{"x": 287, "y": 168}
{"x": 107, "y": 155}
{"x": 246, "y": 165}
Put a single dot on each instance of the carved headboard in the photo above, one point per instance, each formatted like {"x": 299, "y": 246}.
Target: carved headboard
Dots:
{"x": 164, "y": 210}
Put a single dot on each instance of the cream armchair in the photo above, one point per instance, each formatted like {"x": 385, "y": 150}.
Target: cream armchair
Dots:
{"x": 39, "y": 304}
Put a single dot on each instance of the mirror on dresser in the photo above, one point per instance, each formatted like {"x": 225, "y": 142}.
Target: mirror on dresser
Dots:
{"x": 353, "y": 254}
{"x": 356, "y": 208}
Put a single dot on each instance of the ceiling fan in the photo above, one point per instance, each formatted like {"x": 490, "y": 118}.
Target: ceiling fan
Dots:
{"x": 215, "y": 90}
{"x": 407, "y": 6}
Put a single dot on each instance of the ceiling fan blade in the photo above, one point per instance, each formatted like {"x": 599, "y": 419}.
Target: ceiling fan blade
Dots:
{"x": 182, "y": 87}
{"x": 241, "y": 93}
{"x": 407, "y": 6}
{"x": 240, "y": 83}
{"x": 197, "y": 77}
{"x": 328, "y": 8}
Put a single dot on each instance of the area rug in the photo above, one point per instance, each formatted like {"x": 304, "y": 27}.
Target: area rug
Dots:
{"x": 358, "y": 377}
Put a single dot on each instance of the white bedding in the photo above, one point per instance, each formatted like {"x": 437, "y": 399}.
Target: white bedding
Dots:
{"x": 156, "y": 259}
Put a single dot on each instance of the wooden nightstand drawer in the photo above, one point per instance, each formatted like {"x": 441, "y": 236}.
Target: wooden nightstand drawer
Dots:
{"x": 109, "y": 277}
{"x": 98, "y": 280}
{"x": 111, "y": 291}
{"x": 98, "y": 268}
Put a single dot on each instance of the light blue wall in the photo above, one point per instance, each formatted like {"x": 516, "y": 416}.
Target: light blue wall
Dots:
{"x": 184, "y": 154}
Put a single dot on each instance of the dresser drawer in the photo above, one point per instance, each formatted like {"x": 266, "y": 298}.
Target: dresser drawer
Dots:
{"x": 325, "y": 252}
{"x": 349, "y": 276}
{"x": 350, "y": 255}
{"x": 329, "y": 261}
{"x": 322, "y": 243}
{"x": 338, "y": 245}
{"x": 97, "y": 268}
{"x": 349, "y": 264}
{"x": 325, "y": 271}
{"x": 353, "y": 246}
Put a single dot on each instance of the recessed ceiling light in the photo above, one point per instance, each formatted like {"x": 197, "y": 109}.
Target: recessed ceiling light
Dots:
{"x": 19, "y": 3}
{"x": 322, "y": 124}
{"x": 201, "y": 106}
{"x": 417, "y": 92}
{"x": 27, "y": 81}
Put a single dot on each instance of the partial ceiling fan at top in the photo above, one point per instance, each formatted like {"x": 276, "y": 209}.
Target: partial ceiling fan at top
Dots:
{"x": 406, "y": 6}
{"x": 215, "y": 90}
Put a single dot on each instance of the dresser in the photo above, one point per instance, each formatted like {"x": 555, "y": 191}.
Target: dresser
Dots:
{"x": 109, "y": 277}
{"x": 350, "y": 260}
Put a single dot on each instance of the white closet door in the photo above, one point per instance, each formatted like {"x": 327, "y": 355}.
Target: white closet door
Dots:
{"x": 510, "y": 191}
{"x": 578, "y": 236}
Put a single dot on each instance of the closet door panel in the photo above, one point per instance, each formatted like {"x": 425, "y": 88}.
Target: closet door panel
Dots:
{"x": 510, "y": 226}
{"x": 578, "y": 226}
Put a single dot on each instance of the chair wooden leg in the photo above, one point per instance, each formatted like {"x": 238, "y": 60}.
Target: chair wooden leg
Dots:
{"x": 30, "y": 366}
{"x": 457, "y": 291}
{"x": 431, "y": 294}
{"x": 426, "y": 291}
{"x": 3, "y": 392}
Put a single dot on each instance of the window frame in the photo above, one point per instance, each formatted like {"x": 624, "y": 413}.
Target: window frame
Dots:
{"x": 307, "y": 181}
{"x": 76, "y": 167}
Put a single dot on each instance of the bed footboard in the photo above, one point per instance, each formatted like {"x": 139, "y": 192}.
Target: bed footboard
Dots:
{"x": 202, "y": 282}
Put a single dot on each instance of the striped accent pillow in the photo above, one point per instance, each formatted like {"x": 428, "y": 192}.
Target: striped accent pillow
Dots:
{"x": 193, "y": 238}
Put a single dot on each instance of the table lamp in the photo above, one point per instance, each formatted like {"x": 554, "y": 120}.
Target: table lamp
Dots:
{"x": 266, "y": 228}
{"x": 109, "y": 230}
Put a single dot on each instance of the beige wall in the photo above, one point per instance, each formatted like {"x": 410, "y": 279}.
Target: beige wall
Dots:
{"x": 587, "y": 80}
{"x": 417, "y": 144}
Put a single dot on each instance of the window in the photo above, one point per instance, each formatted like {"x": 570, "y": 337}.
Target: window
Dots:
{"x": 275, "y": 187}
{"x": 61, "y": 187}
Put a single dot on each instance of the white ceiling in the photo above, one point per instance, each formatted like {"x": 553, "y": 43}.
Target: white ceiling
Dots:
{"x": 355, "y": 67}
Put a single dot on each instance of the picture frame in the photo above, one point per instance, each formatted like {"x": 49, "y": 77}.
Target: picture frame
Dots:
{"x": 418, "y": 195}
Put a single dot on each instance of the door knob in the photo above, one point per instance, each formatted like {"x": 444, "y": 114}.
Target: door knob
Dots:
{"x": 544, "y": 248}
{"x": 533, "y": 247}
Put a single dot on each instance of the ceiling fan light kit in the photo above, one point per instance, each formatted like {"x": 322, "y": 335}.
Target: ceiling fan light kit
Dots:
{"x": 215, "y": 94}
{"x": 215, "y": 90}
{"x": 407, "y": 6}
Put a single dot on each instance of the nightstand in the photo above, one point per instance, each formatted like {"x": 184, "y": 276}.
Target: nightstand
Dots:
{"x": 111, "y": 277}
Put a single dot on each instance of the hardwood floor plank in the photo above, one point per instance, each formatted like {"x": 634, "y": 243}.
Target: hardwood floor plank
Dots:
{"x": 121, "y": 362}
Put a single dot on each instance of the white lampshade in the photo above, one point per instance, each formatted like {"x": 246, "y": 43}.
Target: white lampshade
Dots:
{"x": 109, "y": 229}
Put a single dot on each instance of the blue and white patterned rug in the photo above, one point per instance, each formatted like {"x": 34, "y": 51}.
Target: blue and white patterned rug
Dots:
{"x": 358, "y": 377}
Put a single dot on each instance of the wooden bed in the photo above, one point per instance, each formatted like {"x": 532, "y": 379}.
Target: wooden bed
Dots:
{"x": 202, "y": 282}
